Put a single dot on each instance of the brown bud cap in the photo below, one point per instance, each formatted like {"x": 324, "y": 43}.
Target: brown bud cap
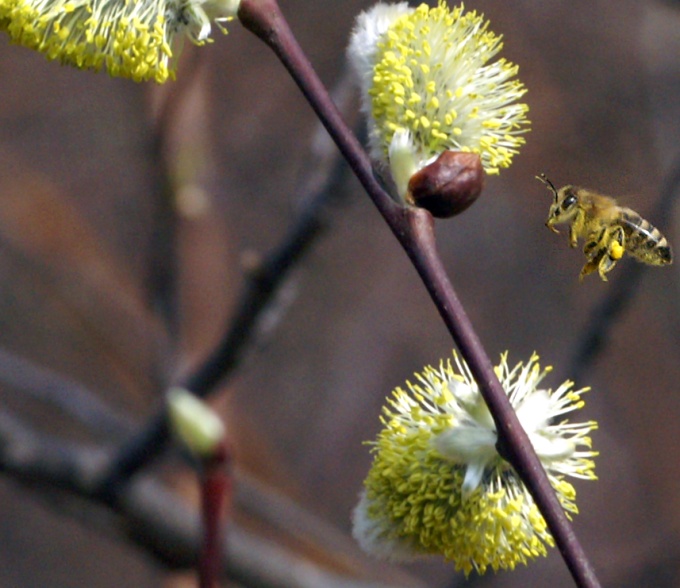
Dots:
{"x": 448, "y": 185}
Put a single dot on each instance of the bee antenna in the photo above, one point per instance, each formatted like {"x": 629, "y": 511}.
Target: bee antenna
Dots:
{"x": 543, "y": 178}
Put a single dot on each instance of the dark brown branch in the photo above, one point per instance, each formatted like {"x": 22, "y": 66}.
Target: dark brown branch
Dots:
{"x": 320, "y": 194}
{"x": 52, "y": 464}
{"x": 62, "y": 393}
{"x": 413, "y": 228}
{"x": 150, "y": 515}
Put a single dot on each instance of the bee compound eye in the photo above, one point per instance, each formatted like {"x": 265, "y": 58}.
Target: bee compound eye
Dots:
{"x": 569, "y": 201}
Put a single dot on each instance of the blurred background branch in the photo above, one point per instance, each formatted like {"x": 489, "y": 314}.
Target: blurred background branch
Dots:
{"x": 161, "y": 523}
{"x": 258, "y": 305}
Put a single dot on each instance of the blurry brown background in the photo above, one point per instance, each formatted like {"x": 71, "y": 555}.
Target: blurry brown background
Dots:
{"x": 85, "y": 275}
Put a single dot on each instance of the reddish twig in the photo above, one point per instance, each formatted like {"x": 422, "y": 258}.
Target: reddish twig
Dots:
{"x": 414, "y": 230}
{"x": 216, "y": 494}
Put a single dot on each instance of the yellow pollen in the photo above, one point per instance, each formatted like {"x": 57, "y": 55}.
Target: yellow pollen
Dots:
{"x": 129, "y": 38}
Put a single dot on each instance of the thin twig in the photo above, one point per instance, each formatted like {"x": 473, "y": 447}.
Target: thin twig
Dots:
{"x": 150, "y": 515}
{"x": 320, "y": 194}
{"x": 414, "y": 230}
{"x": 66, "y": 395}
{"x": 84, "y": 406}
{"x": 216, "y": 483}
{"x": 162, "y": 267}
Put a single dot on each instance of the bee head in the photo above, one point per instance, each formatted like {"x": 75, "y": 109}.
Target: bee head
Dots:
{"x": 564, "y": 205}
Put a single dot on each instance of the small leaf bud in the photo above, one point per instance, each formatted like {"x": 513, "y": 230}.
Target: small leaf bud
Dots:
{"x": 194, "y": 423}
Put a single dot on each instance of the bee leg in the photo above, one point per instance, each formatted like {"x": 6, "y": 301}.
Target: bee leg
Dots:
{"x": 588, "y": 248}
{"x": 577, "y": 227}
{"x": 595, "y": 251}
{"x": 617, "y": 243}
{"x": 614, "y": 251}
{"x": 606, "y": 264}
{"x": 574, "y": 232}
{"x": 596, "y": 244}
{"x": 594, "y": 260}
{"x": 573, "y": 237}
{"x": 588, "y": 268}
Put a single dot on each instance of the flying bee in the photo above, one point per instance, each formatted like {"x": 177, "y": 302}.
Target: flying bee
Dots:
{"x": 609, "y": 230}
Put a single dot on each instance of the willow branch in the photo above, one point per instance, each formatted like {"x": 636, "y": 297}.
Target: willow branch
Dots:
{"x": 259, "y": 294}
{"x": 147, "y": 513}
{"x": 61, "y": 393}
{"x": 414, "y": 230}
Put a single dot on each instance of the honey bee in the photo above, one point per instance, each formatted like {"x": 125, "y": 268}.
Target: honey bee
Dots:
{"x": 609, "y": 230}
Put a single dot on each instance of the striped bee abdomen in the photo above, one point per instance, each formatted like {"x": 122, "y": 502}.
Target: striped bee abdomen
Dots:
{"x": 643, "y": 240}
